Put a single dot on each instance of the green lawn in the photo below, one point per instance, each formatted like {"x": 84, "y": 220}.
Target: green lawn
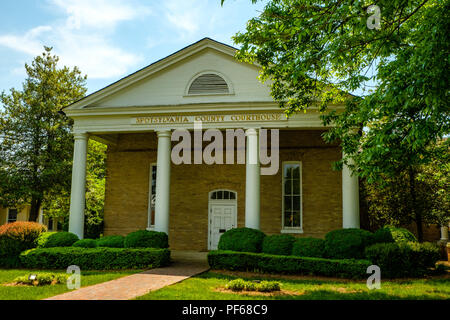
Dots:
{"x": 35, "y": 293}
{"x": 204, "y": 286}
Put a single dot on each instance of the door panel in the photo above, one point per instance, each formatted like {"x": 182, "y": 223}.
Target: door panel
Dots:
{"x": 222, "y": 219}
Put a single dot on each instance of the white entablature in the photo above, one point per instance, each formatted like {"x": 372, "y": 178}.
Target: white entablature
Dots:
{"x": 163, "y": 90}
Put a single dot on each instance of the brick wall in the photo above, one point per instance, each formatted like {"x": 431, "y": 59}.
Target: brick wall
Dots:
{"x": 127, "y": 185}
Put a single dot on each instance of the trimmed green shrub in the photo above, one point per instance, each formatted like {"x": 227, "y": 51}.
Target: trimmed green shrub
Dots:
{"x": 403, "y": 259}
{"x": 268, "y": 286}
{"x": 43, "y": 238}
{"x": 146, "y": 239}
{"x": 242, "y": 239}
{"x": 267, "y": 263}
{"x": 263, "y": 286}
{"x": 42, "y": 279}
{"x": 85, "y": 243}
{"x": 280, "y": 244}
{"x": 56, "y": 239}
{"x": 393, "y": 234}
{"x": 111, "y": 241}
{"x": 15, "y": 238}
{"x": 347, "y": 243}
{"x": 95, "y": 258}
{"x": 308, "y": 247}
{"x": 236, "y": 285}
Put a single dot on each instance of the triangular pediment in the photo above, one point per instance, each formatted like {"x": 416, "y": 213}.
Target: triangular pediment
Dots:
{"x": 175, "y": 80}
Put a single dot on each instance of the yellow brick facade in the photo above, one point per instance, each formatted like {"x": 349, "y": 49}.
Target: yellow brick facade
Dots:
{"x": 127, "y": 189}
{"x": 22, "y": 215}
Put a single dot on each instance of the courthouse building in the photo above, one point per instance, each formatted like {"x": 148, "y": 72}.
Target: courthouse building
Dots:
{"x": 196, "y": 203}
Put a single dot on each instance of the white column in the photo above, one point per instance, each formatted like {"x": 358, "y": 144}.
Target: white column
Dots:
{"x": 41, "y": 216}
{"x": 252, "y": 182}
{"x": 163, "y": 182}
{"x": 444, "y": 233}
{"x": 350, "y": 199}
{"x": 78, "y": 191}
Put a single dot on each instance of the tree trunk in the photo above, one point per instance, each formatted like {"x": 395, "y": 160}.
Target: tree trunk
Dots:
{"x": 416, "y": 208}
{"x": 35, "y": 207}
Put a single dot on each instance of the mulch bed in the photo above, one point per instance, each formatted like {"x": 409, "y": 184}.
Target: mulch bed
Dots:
{"x": 35, "y": 284}
{"x": 247, "y": 274}
{"x": 258, "y": 293}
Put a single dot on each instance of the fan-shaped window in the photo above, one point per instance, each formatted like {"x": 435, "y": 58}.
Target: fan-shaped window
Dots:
{"x": 209, "y": 83}
{"x": 223, "y": 195}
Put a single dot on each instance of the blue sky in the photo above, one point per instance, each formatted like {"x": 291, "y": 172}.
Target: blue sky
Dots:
{"x": 108, "y": 39}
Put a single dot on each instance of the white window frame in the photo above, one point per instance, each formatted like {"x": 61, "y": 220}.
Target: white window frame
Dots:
{"x": 291, "y": 229}
{"x": 7, "y": 215}
{"x": 150, "y": 226}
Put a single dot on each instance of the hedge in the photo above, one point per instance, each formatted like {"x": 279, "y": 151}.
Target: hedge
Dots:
{"x": 146, "y": 239}
{"x": 111, "y": 241}
{"x": 94, "y": 258}
{"x": 308, "y": 247}
{"x": 85, "y": 243}
{"x": 56, "y": 239}
{"x": 242, "y": 239}
{"x": 403, "y": 259}
{"x": 15, "y": 238}
{"x": 393, "y": 234}
{"x": 266, "y": 263}
{"x": 347, "y": 243}
{"x": 280, "y": 244}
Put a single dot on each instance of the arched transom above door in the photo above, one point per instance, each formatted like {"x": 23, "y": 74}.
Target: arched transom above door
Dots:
{"x": 222, "y": 195}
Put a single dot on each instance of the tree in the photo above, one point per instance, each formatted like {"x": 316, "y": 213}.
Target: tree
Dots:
{"x": 435, "y": 176}
{"x": 35, "y": 138}
{"x": 315, "y": 51}
{"x": 388, "y": 203}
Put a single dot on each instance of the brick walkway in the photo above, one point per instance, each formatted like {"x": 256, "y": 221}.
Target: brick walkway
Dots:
{"x": 185, "y": 265}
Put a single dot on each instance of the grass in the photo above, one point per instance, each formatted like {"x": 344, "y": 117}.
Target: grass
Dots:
{"x": 88, "y": 278}
{"x": 204, "y": 287}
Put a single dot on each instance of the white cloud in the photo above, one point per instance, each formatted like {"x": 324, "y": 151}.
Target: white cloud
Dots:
{"x": 28, "y": 43}
{"x": 191, "y": 20}
{"x": 98, "y": 13}
{"x": 82, "y": 37}
{"x": 94, "y": 55}
{"x": 184, "y": 16}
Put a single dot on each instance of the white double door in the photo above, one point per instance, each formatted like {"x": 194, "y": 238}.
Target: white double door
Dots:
{"x": 222, "y": 217}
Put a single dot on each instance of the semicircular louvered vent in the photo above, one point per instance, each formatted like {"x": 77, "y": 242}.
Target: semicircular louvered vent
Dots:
{"x": 209, "y": 83}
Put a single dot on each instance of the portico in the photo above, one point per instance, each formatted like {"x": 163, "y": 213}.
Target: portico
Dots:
{"x": 136, "y": 117}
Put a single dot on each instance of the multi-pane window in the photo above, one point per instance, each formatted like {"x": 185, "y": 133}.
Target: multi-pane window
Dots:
{"x": 12, "y": 215}
{"x": 152, "y": 196}
{"x": 223, "y": 195}
{"x": 292, "y": 182}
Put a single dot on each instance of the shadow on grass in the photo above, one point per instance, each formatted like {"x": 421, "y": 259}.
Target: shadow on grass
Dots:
{"x": 333, "y": 289}
{"x": 221, "y": 276}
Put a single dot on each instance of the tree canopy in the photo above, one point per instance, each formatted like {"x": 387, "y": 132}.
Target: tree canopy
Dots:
{"x": 36, "y": 144}
{"x": 315, "y": 52}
